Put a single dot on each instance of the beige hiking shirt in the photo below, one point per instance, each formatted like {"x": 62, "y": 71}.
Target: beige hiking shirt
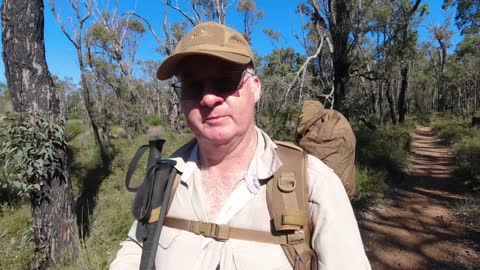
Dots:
{"x": 335, "y": 237}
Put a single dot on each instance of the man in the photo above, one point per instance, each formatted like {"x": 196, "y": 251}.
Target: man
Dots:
{"x": 223, "y": 174}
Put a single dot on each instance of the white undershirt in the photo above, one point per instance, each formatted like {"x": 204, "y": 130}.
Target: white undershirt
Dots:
{"x": 244, "y": 191}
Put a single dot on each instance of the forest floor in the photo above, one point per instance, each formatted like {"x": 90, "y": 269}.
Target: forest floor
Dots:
{"x": 415, "y": 227}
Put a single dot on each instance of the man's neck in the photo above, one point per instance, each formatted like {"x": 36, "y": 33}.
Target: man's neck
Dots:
{"x": 222, "y": 167}
{"x": 235, "y": 154}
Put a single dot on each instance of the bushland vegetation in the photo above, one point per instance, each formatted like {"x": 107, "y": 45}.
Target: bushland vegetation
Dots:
{"x": 364, "y": 60}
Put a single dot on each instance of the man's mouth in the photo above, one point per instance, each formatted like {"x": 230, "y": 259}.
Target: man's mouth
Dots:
{"x": 215, "y": 119}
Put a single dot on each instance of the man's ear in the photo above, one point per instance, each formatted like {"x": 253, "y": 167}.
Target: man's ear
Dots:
{"x": 257, "y": 88}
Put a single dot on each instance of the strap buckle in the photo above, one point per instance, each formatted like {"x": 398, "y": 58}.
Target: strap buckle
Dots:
{"x": 296, "y": 238}
{"x": 215, "y": 231}
{"x": 287, "y": 182}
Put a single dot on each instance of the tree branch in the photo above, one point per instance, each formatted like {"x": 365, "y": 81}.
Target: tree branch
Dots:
{"x": 51, "y": 3}
{"x": 190, "y": 19}
{"x": 147, "y": 22}
{"x": 301, "y": 70}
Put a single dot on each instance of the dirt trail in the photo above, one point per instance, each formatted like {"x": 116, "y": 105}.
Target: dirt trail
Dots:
{"x": 414, "y": 228}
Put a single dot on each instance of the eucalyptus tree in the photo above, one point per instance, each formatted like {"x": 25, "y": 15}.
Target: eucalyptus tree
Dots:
{"x": 250, "y": 15}
{"x": 73, "y": 27}
{"x": 393, "y": 27}
{"x": 467, "y": 20}
{"x": 468, "y": 15}
{"x": 333, "y": 20}
{"x": 277, "y": 70}
{"x": 156, "y": 94}
{"x": 442, "y": 36}
{"x": 406, "y": 41}
{"x": 112, "y": 42}
{"x": 467, "y": 83}
{"x": 34, "y": 148}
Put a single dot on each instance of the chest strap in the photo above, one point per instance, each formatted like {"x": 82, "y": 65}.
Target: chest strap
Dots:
{"x": 225, "y": 232}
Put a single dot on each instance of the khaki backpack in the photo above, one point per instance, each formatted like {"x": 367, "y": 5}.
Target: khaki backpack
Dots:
{"x": 326, "y": 134}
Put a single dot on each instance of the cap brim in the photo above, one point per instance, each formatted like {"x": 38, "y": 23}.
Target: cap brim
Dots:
{"x": 168, "y": 68}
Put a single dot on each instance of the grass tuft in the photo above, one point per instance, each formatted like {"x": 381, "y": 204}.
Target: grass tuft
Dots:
{"x": 468, "y": 211}
{"x": 16, "y": 237}
{"x": 74, "y": 128}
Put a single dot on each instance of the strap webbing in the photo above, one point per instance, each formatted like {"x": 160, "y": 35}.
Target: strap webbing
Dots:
{"x": 225, "y": 232}
{"x": 286, "y": 191}
{"x": 155, "y": 213}
{"x": 288, "y": 205}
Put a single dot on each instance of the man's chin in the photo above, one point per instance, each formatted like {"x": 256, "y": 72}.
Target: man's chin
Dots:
{"x": 216, "y": 137}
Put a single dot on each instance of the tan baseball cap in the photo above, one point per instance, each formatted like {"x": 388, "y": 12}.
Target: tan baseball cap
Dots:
{"x": 208, "y": 38}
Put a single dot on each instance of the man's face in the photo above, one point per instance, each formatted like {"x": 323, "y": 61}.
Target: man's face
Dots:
{"x": 216, "y": 111}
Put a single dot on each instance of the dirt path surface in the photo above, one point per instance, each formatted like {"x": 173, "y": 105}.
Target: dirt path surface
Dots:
{"x": 414, "y": 228}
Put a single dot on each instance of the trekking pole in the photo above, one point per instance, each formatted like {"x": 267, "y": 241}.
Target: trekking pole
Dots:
{"x": 151, "y": 252}
{"x": 155, "y": 145}
{"x": 159, "y": 181}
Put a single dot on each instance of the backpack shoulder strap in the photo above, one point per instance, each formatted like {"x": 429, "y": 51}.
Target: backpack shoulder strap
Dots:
{"x": 182, "y": 152}
{"x": 287, "y": 201}
{"x": 287, "y": 189}
{"x": 174, "y": 189}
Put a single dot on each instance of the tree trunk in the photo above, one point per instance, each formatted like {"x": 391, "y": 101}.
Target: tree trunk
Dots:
{"x": 340, "y": 27}
{"x": 340, "y": 82}
{"x": 380, "y": 103}
{"x": 89, "y": 105}
{"x": 31, "y": 87}
{"x": 173, "y": 116}
{"x": 402, "y": 108}
{"x": 475, "y": 95}
{"x": 391, "y": 104}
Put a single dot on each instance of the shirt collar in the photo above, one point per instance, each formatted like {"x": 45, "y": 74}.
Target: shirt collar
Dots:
{"x": 263, "y": 165}
{"x": 266, "y": 157}
{"x": 189, "y": 167}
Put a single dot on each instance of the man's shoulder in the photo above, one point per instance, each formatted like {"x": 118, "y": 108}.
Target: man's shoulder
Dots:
{"x": 185, "y": 150}
{"x": 318, "y": 171}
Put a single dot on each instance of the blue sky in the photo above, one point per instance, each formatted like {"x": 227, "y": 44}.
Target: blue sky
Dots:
{"x": 278, "y": 15}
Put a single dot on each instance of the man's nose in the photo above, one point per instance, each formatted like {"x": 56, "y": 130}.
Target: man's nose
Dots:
{"x": 210, "y": 96}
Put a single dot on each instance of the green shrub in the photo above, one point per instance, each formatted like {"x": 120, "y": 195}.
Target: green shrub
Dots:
{"x": 424, "y": 118}
{"x": 383, "y": 149}
{"x": 283, "y": 125}
{"x": 370, "y": 186}
{"x": 118, "y": 132}
{"x": 27, "y": 150}
{"x": 467, "y": 160}
{"x": 74, "y": 128}
{"x": 16, "y": 237}
{"x": 451, "y": 129}
{"x": 468, "y": 210}
{"x": 465, "y": 142}
{"x": 152, "y": 120}
{"x": 381, "y": 156}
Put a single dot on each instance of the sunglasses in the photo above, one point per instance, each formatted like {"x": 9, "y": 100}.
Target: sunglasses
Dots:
{"x": 222, "y": 85}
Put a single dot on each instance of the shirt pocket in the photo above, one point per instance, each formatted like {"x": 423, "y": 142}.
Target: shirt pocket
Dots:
{"x": 168, "y": 236}
{"x": 260, "y": 256}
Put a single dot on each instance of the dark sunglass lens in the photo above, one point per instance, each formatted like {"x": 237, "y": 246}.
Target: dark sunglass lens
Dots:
{"x": 222, "y": 85}
{"x": 229, "y": 83}
{"x": 192, "y": 90}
